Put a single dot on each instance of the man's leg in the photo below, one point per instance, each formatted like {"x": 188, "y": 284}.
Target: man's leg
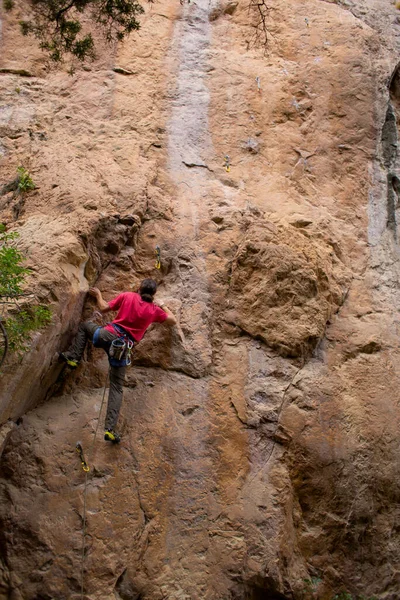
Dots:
{"x": 77, "y": 348}
{"x": 117, "y": 378}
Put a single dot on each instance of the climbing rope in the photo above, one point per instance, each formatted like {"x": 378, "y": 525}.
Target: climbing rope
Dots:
{"x": 280, "y": 410}
{"x": 83, "y": 537}
{"x": 185, "y": 183}
{"x": 86, "y": 468}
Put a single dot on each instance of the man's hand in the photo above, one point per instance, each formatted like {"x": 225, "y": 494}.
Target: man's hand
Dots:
{"x": 103, "y": 306}
{"x": 94, "y": 291}
{"x": 170, "y": 320}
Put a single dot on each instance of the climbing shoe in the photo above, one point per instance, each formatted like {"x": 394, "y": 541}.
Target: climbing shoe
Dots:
{"x": 73, "y": 364}
{"x": 111, "y": 436}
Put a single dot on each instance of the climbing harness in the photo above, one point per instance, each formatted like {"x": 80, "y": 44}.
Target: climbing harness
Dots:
{"x": 120, "y": 352}
{"x": 258, "y": 81}
{"x": 117, "y": 349}
{"x": 86, "y": 469}
{"x": 227, "y": 163}
{"x": 158, "y": 257}
{"x": 84, "y": 464}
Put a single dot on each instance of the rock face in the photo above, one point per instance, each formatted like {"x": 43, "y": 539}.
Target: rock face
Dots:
{"x": 285, "y": 287}
{"x": 260, "y": 444}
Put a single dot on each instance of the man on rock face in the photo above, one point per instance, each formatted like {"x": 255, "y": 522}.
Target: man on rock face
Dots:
{"x": 136, "y": 312}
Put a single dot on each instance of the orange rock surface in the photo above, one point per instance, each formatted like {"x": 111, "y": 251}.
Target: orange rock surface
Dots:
{"x": 260, "y": 438}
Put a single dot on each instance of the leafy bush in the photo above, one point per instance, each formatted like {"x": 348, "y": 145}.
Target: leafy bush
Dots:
{"x": 12, "y": 273}
{"x": 25, "y": 181}
{"x": 20, "y": 326}
{"x": 310, "y": 587}
{"x": 58, "y": 27}
{"x": 22, "y": 322}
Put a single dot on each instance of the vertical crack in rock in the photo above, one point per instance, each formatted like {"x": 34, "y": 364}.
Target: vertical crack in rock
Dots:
{"x": 390, "y": 151}
{"x": 389, "y": 147}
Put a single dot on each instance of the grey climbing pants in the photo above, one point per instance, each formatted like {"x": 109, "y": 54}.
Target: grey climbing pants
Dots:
{"x": 117, "y": 374}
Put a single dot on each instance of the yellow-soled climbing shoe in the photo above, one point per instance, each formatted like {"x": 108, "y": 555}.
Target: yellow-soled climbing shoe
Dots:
{"x": 73, "y": 364}
{"x": 112, "y": 436}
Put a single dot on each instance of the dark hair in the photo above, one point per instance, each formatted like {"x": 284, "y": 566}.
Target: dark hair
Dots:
{"x": 148, "y": 288}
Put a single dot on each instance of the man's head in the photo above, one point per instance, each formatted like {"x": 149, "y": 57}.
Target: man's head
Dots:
{"x": 147, "y": 289}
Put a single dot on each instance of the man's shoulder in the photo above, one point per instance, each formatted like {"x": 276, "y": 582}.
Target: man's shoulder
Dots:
{"x": 130, "y": 295}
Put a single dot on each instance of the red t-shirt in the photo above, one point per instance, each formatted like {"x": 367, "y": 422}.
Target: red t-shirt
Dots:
{"x": 134, "y": 314}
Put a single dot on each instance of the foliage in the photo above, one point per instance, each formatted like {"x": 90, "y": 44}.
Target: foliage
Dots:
{"x": 20, "y": 326}
{"x": 312, "y": 583}
{"x": 310, "y": 586}
{"x": 58, "y": 27}
{"x": 12, "y": 273}
{"x": 8, "y": 4}
{"x": 25, "y": 181}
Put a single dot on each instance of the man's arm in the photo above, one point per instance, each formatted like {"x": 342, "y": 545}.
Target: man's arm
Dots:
{"x": 171, "y": 319}
{"x": 102, "y": 304}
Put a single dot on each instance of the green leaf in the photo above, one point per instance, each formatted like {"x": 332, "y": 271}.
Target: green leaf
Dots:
{"x": 25, "y": 181}
{"x": 20, "y": 326}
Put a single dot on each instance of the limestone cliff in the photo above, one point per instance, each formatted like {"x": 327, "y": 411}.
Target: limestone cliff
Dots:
{"x": 260, "y": 453}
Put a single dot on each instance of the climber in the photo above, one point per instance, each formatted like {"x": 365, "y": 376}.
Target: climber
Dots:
{"x": 136, "y": 312}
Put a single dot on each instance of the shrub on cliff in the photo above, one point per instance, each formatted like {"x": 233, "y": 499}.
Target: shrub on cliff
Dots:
{"x": 20, "y": 322}
{"x": 20, "y": 326}
{"x": 63, "y": 27}
{"x": 12, "y": 273}
{"x": 25, "y": 181}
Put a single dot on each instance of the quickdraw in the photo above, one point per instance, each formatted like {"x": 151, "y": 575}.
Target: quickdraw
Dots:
{"x": 84, "y": 464}
{"x": 158, "y": 257}
{"x": 258, "y": 81}
{"x": 227, "y": 163}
